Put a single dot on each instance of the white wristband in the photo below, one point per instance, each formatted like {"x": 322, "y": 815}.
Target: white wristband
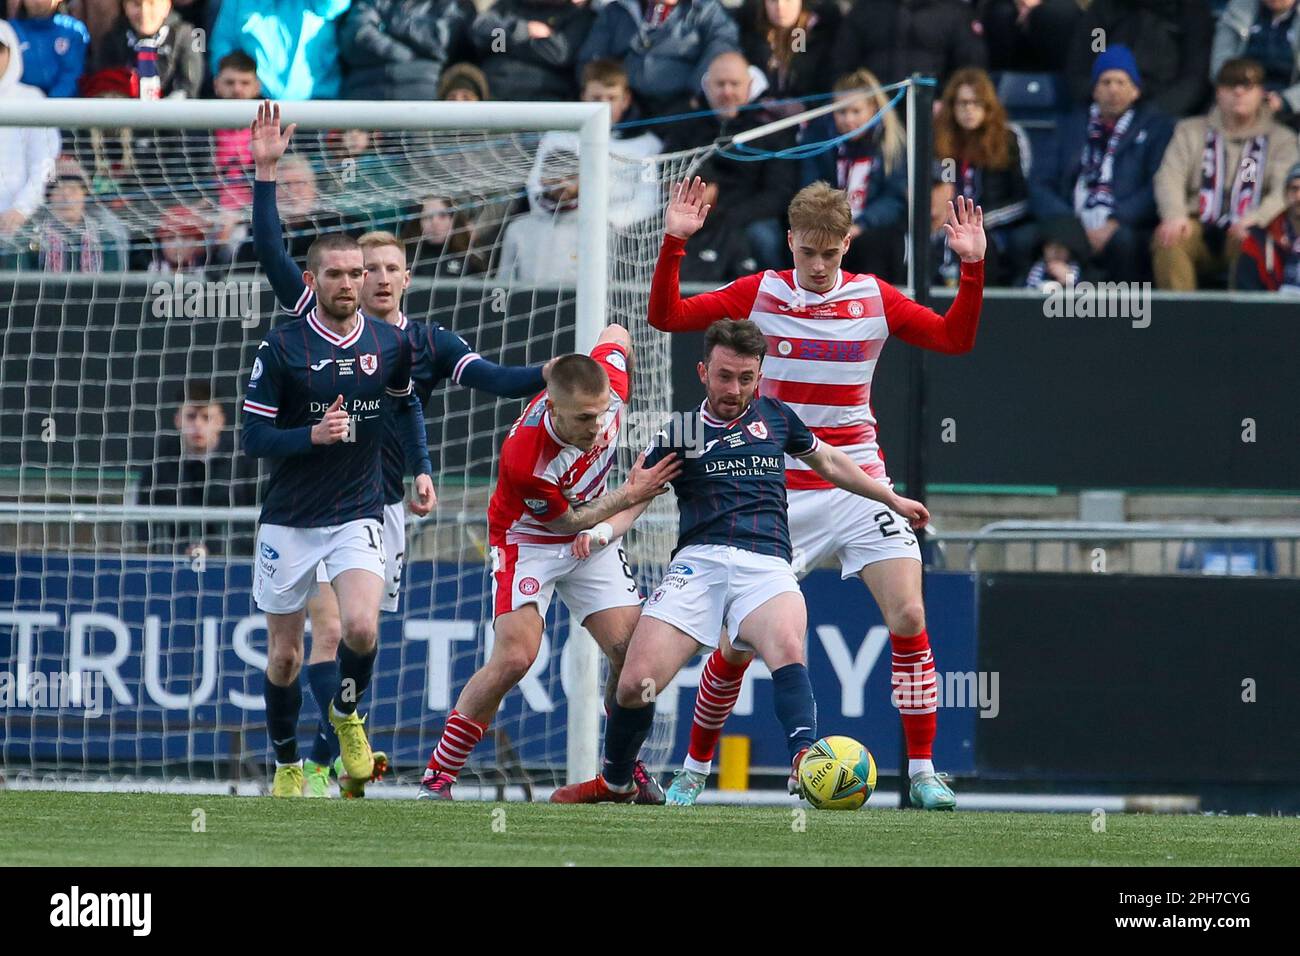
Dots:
{"x": 601, "y": 534}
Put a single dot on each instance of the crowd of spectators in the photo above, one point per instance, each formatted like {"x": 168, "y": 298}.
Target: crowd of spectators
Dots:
{"x": 1120, "y": 140}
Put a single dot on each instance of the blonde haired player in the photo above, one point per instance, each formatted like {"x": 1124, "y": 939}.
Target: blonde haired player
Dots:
{"x": 551, "y": 493}
{"x": 825, "y": 329}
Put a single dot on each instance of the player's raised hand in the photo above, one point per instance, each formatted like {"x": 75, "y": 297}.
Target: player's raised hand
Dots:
{"x": 965, "y": 230}
{"x": 268, "y": 141}
{"x": 645, "y": 483}
{"x": 332, "y": 427}
{"x": 915, "y": 512}
{"x": 425, "y": 497}
{"x": 686, "y": 209}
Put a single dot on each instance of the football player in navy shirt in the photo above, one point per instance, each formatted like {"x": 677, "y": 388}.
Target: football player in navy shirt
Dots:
{"x": 317, "y": 403}
{"x": 732, "y": 562}
{"x": 439, "y": 355}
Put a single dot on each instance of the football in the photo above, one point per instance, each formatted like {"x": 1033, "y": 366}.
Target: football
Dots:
{"x": 837, "y": 773}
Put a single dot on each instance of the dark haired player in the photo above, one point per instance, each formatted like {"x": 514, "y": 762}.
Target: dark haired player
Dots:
{"x": 440, "y": 355}
{"x": 732, "y": 562}
{"x": 826, "y": 328}
{"x": 317, "y": 403}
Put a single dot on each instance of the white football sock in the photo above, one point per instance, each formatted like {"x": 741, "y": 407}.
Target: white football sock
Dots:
{"x": 919, "y": 766}
{"x": 698, "y": 766}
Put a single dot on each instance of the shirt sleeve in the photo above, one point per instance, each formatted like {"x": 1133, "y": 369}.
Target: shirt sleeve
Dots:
{"x": 799, "y": 441}
{"x": 440, "y": 354}
{"x": 542, "y": 499}
{"x": 281, "y": 271}
{"x": 259, "y": 435}
{"x": 399, "y": 384}
{"x": 953, "y": 332}
{"x": 613, "y": 358}
{"x": 667, "y": 311}
{"x": 667, "y": 441}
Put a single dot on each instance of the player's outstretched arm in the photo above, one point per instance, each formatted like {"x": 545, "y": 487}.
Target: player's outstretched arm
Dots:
{"x": 843, "y": 472}
{"x": 441, "y": 354}
{"x": 268, "y": 144}
{"x": 952, "y": 333}
{"x": 667, "y": 310}
{"x": 642, "y": 485}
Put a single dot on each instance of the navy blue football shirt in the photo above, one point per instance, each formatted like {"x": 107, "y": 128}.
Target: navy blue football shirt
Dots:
{"x": 439, "y": 354}
{"x": 299, "y": 369}
{"x": 732, "y": 487}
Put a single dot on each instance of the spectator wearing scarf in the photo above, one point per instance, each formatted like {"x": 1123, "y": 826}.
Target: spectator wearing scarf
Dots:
{"x": 1270, "y": 255}
{"x": 1222, "y": 174}
{"x": 152, "y": 40}
{"x": 1100, "y": 172}
{"x": 70, "y": 233}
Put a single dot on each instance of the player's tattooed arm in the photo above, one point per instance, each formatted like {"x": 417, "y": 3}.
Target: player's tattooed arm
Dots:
{"x": 642, "y": 485}
{"x": 843, "y": 472}
{"x": 599, "y": 535}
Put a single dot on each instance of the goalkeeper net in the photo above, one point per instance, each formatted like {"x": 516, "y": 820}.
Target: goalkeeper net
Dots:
{"x": 129, "y": 644}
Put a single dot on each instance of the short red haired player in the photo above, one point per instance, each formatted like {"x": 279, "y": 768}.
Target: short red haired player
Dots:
{"x": 825, "y": 329}
{"x": 551, "y": 490}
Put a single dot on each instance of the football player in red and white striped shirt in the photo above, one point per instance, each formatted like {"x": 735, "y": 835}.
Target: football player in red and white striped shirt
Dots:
{"x": 825, "y": 329}
{"x": 551, "y": 491}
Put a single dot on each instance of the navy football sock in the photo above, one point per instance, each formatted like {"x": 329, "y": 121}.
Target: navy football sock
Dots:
{"x": 625, "y": 731}
{"x": 354, "y": 678}
{"x": 795, "y": 707}
{"x": 282, "y": 707}
{"x": 323, "y": 678}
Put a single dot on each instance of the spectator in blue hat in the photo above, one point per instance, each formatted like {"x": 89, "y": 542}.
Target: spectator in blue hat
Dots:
{"x": 1169, "y": 38}
{"x": 1102, "y": 168}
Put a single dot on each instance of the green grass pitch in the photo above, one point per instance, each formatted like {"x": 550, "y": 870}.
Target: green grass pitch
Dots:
{"x": 81, "y": 829}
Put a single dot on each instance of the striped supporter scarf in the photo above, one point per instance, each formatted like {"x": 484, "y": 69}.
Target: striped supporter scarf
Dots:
{"x": 1245, "y": 192}
{"x": 1094, "y": 196}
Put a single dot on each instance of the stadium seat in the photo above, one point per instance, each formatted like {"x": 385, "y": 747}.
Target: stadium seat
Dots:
{"x": 1033, "y": 102}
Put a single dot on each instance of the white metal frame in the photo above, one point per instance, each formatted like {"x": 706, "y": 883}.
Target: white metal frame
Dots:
{"x": 589, "y": 120}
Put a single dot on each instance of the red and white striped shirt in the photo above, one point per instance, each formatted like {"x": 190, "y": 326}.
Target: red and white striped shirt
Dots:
{"x": 822, "y": 348}
{"x": 541, "y": 475}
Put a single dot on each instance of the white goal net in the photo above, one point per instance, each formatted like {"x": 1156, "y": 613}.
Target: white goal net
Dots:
{"x": 132, "y": 305}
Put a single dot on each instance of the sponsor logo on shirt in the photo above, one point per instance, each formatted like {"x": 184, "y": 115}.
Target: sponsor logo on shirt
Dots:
{"x": 369, "y": 363}
{"x": 317, "y": 366}
{"x": 754, "y": 466}
{"x": 536, "y": 505}
{"x": 257, "y": 371}
{"x": 616, "y": 359}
